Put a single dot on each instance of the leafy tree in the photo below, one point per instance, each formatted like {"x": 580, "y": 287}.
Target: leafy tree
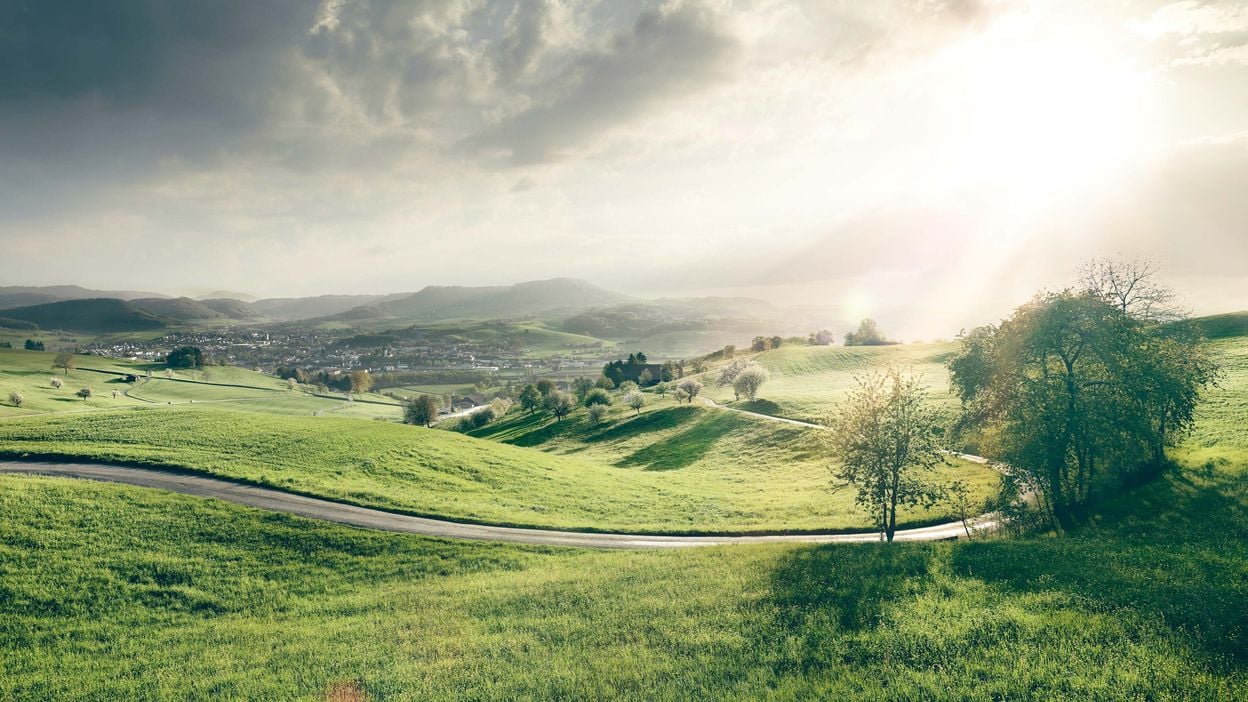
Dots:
{"x": 185, "y": 357}
{"x": 530, "y": 398}
{"x": 605, "y": 383}
{"x": 597, "y": 396}
{"x": 56, "y": 383}
{"x": 32, "y": 345}
{"x": 597, "y": 413}
{"x": 669, "y": 372}
{"x": 361, "y": 381}
{"x": 760, "y": 343}
{"x": 559, "y": 404}
{"x": 868, "y": 334}
{"x": 776, "y": 342}
{"x": 729, "y": 351}
{"x": 627, "y": 386}
{"x": 661, "y": 389}
{"x": 690, "y": 388}
{"x": 635, "y": 400}
{"x": 824, "y": 337}
{"x": 545, "y": 387}
{"x": 885, "y": 442}
{"x": 680, "y": 395}
{"x": 749, "y": 380}
{"x": 16, "y": 399}
{"x": 291, "y": 383}
{"x": 728, "y": 374}
{"x": 483, "y": 416}
{"x": 84, "y": 393}
{"x": 581, "y": 386}
{"x": 421, "y": 410}
{"x": 646, "y": 378}
{"x": 64, "y": 361}
{"x": 1075, "y": 391}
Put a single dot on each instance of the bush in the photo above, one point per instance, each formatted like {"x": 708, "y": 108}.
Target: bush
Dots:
{"x": 483, "y": 416}
{"x": 597, "y": 396}
{"x": 597, "y": 413}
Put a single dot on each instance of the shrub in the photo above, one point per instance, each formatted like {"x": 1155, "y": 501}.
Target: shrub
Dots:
{"x": 483, "y": 416}
{"x": 597, "y": 396}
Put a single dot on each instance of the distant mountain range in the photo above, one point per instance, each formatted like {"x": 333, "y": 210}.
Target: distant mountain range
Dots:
{"x": 81, "y": 309}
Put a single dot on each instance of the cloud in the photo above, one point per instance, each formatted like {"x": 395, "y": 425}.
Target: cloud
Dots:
{"x": 676, "y": 51}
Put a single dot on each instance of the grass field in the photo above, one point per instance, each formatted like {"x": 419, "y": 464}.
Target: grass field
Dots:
{"x": 30, "y": 373}
{"x": 672, "y": 469}
{"x": 807, "y": 382}
{"x": 112, "y": 592}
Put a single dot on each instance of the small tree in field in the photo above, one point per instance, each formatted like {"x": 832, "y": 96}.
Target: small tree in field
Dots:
{"x": 16, "y": 399}
{"x": 661, "y": 389}
{"x": 64, "y": 361}
{"x": 56, "y": 383}
{"x": 749, "y": 380}
{"x": 690, "y": 388}
{"x": 291, "y": 383}
{"x": 545, "y": 387}
{"x": 84, "y": 393}
{"x": 530, "y": 398}
{"x": 361, "y": 381}
{"x": 885, "y": 442}
{"x": 422, "y": 410}
{"x": 635, "y": 400}
{"x": 597, "y": 414}
{"x": 559, "y": 404}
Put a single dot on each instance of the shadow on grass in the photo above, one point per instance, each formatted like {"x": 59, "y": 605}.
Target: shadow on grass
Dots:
{"x": 853, "y": 584}
{"x": 683, "y": 449}
{"x": 760, "y": 406}
{"x": 1174, "y": 551}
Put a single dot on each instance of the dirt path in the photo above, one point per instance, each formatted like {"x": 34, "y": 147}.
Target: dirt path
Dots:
{"x": 313, "y": 508}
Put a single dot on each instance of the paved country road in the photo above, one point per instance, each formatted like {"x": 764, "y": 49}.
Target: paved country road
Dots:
{"x": 313, "y": 508}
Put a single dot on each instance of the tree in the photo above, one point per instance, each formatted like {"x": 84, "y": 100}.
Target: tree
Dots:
{"x": 1074, "y": 391}
{"x": 16, "y": 399}
{"x": 660, "y": 389}
{"x": 56, "y": 383}
{"x": 597, "y": 414}
{"x": 627, "y": 386}
{"x": 421, "y": 410}
{"x": 84, "y": 393}
{"x": 597, "y": 396}
{"x": 824, "y": 337}
{"x": 32, "y": 345}
{"x": 291, "y": 383}
{"x": 885, "y": 442}
{"x": 501, "y": 406}
{"x": 605, "y": 383}
{"x": 646, "y": 378}
{"x": 185, "y": 357}
{"x": 559, "y": 404}
{"x": 530, "y": 398}
{"x": 729, "y": 352}
{"x": 64, "y": 361}
{"x": 483, "y": 416}
{"x": 868, "y": 334}
{"x": 776, "y": 341}
{"x": 729, "y": 373}
{"x": 361, "y": 382}
{"x": 760, "y": 343}
{"x": 581, "y": 386}
{"x": 635, "y": 400}
{"x": 1132, "y": 288}
{"x": 680, "y": 395}
{"x": 690, "y": 388}
{"x": 749, "y": 380}
{"x": 545, "y": 387}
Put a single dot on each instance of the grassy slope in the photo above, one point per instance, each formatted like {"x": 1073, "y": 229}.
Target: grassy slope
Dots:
{"x": 123, "y": 593}
{"x": 808, "y": 381}
{"x": 666, "y": 477}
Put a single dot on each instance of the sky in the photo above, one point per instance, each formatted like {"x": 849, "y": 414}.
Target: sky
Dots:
{"x": 932, "y": 163}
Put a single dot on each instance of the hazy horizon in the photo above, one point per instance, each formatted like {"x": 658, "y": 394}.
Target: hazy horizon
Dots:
{"x": 930, "y": 163}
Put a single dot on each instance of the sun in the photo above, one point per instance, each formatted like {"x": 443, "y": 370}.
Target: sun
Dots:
{"x": 1049, "y": 116}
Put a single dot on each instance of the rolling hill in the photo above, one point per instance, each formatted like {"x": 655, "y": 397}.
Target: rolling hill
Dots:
{"x": 232, "y": 308}
{"x": 437, "y": 303}
{"x": 97, "y": 315}
{"x": 27, "y": 295}
{"x": 180, "y": 309}
{"x": 293, "y": 309}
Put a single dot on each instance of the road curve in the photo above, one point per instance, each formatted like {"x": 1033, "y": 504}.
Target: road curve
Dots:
{"x": 325, "y": 510}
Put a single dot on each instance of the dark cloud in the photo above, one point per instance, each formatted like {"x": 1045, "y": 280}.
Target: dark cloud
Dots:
{"x": 666, "y": 54}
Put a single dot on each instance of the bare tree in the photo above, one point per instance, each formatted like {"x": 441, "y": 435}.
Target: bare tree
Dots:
{"x": 1132, "y": 287}
{"x": 635, "y": 400}
{"x": 64, "y": 361}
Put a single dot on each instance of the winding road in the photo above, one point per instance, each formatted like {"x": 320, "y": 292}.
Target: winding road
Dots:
{"x": 313, "y": 508}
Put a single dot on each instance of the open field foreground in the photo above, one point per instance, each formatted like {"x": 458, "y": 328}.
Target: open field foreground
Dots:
{"x": 677, "y": 470}
{"x": 116, "y": 592}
